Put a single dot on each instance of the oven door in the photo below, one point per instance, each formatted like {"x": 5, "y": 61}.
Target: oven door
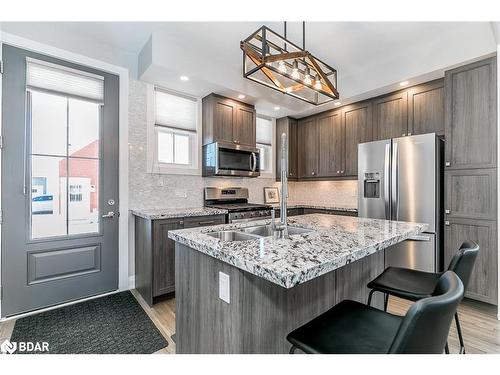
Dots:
{"x": 237, "y": 160}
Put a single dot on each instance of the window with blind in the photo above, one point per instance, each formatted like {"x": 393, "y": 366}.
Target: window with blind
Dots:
{"x": 264, "y": 140}
{"x": 175, "y": 129}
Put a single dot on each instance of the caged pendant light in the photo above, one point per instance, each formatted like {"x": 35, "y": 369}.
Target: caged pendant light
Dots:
{"x": 272, "y": 60}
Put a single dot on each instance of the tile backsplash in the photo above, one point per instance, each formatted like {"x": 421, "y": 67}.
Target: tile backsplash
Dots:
{"x": 147, "y": 190}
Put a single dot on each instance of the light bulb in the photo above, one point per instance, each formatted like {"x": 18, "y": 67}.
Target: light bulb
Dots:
{"x": 295, "y": 70}
{"x": 282, "y": 67}
{"x": 307, "y": 76}
{"x": 317, "y": 84}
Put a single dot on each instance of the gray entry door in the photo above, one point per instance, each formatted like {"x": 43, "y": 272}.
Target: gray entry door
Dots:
{"x": 59, "y": 181}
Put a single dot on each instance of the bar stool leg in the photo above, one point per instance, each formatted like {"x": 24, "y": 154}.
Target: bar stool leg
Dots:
{"x": 459, "y": 332}
{"x": 386, "y": 301}
{"x": 292, "y": 349}
{"x": 369, "y": 303}
{"x": 446, "y": 348}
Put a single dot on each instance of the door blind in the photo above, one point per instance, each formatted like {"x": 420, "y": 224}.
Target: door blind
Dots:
{"x": 60, "y": 79}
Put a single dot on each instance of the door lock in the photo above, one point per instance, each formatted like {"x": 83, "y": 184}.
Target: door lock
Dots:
{"x": 111, "y": 202}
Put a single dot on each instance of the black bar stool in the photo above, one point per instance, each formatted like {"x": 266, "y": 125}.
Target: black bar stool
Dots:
{"x": 414, "y": 285}
{"x": 352, "y": 327}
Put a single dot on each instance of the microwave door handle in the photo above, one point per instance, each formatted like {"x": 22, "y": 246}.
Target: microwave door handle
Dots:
{"x": 253, "y": 164}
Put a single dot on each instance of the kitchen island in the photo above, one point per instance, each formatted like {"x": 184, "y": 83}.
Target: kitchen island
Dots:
{"x": 275, "y": 285}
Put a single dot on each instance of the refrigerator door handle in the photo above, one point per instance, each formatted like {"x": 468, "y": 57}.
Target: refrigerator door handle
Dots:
{"x": 387, "y": 163}
{"x": 395, "y": 182}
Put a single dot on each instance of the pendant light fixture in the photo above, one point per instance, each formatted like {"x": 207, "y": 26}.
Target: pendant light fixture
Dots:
{"x": 272, "y": 60}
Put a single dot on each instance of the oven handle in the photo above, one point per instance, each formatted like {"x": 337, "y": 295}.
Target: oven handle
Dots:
{"x": 234, "y": 221}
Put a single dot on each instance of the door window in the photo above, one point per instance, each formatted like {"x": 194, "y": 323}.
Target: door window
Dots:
{"x": 64, "y": 117}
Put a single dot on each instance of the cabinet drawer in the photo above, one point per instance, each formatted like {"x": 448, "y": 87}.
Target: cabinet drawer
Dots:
{"x": 203, "y": 221}
{"x": 471, "y": 193}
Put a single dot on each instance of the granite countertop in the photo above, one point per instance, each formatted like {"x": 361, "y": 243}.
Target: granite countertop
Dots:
{"x": 172, "y": 213}
{"x": 319, "y": 206}
{"x": 335, "y": 242}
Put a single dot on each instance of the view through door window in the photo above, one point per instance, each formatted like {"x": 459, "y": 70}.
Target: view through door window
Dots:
{"x": 64, "y": 161}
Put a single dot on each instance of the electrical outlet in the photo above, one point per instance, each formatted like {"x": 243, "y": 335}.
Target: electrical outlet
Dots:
{"x": 224, "y": 288}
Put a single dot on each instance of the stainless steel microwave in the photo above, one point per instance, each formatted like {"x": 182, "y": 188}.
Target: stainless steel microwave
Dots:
{"x": 227, "y": 159}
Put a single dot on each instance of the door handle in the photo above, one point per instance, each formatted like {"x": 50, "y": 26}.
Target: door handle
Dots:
{"x": 395, "y": 182}
{"x": 419, "y": 237}
{"x": 253, "y": 164}
{"x": 387, "y": 181}
{"x": 109, "y": 215}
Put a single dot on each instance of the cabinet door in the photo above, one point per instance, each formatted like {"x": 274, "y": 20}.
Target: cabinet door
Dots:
{"x": 483, "y": 283}
{"x": 471, "y": 193}
{"x": 358, "y": 128}
{"x": 293, "y": 172}
{"x": 330, "y": 144}
{"x": 426, "y": 108}
{"x": 164, "y": 256}
{"x": 289, "y": 127}
{"x": 470, "y": 115}
{"x": 224, "y": 118}
{"x": 307, "y": 141}
{"x": 244, "y": 129}
{"x": 390, "y": 118}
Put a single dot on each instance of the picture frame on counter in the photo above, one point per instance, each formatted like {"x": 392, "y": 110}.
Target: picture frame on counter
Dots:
{"x": 271, "y": 195}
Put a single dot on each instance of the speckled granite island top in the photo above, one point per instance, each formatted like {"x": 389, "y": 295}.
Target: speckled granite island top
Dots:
{"x": 172, "y": 213}
{"x": 335, "y": 242}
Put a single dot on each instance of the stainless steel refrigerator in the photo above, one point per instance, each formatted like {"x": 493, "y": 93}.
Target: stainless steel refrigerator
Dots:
{"x": 401, "y": 179}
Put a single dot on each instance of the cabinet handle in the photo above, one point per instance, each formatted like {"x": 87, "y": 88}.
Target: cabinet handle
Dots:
{"x": 409, "y": 134}
{"x": 447, "y": 164}
{"x": 446, "y": 211}
{"x": 446, "y": 222}
{"x": 403, "y": 135}
{"x": 338, "y": 172}
{"x": 206, "y": 222}
{"x": 181, "y": 222}
{"x": 341, "y": 171}
{"x": 313, "y": 173}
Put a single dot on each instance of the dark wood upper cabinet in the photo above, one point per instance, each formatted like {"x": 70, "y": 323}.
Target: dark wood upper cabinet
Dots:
{"x": 426, "y": 108}
{"x": 307, "y": 141}
{"x": 390, "y": 116}
{"x": 228, "y": 120}
{"x": 358, "y": 128}
{"x": 470, "y": 115}
{"x": 287, "y": 125}
{"x": 330, "y": 144}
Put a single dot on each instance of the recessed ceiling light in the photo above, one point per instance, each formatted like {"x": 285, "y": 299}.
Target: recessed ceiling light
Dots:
{"x": 184, "y": 78}
{"x": 277, "y": 108}
{"x": 337, "y": 103}
{"x": 404, "y": 83}
{"x": 241, "y": 96}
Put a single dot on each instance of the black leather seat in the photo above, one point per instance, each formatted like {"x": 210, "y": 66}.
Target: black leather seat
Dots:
{"x": 353, "y": 328}
{"x": 415, "y": 285}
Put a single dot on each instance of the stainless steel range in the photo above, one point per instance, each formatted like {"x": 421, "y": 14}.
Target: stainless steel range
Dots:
{"x": 235, "y": 200}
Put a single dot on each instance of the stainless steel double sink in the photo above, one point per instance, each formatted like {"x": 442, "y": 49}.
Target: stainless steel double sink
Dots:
{"x": 253, "y": 233}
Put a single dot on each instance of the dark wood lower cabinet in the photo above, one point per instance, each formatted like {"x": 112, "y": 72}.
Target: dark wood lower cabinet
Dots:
{"x": 155, "y": 253}
{"x": 483, "y": 285}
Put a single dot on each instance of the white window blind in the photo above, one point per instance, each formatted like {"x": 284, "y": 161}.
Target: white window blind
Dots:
{"x": 47, "y": 76}
{"x": 264, "y": 131}
{"x": 175, "y": 111}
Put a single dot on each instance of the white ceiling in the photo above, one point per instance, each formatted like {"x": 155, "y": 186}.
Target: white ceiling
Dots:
{"x": 370, "y": 57}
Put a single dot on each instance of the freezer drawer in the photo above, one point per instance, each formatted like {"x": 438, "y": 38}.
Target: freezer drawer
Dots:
{"x": 418, "y": 253}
